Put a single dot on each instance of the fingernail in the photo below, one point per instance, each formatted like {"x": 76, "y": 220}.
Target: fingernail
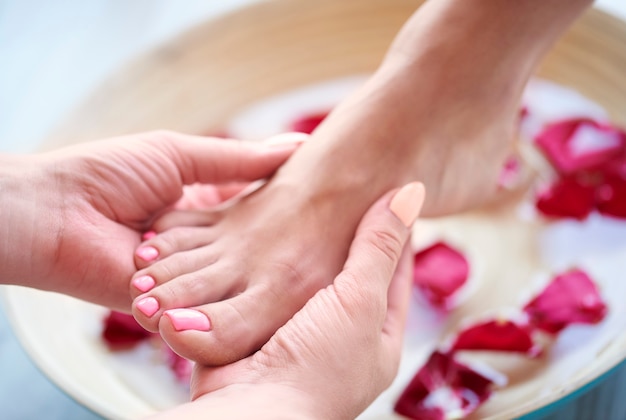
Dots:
{"x": 143, "y": 283}
{"x": 188, "y": 319}
{"x": 407, "y": 202}
{"x": 148, "y": 235}
{"x": 147, "y": 253}
{"x": 148, "y": 306}
{"x": 284, "y": 139}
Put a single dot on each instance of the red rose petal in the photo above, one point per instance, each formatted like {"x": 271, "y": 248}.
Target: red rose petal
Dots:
{"x": 497, "y": 335}
{"x": 443, "y": 389}
{"x": 568, "y": 197}
{"x": 611, "y": 194}
{"x": 580, "y": 144}
{"x": 439, "y": 271}
{"x": 570, "y": 298}
{"x": 615, "y": 167}
{"x": 121, "y": 331}
{"x": 308, "y": 123}
{"x": 523, "y": 112}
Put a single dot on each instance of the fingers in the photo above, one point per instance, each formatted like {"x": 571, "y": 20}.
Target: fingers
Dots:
{"x": 206, "y": 160}
{"x": 398, "y": 297}
{"x": 375, "y": 252}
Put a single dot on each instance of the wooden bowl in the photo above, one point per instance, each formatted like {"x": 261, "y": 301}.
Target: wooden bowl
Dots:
{"x": 203, "y": 79}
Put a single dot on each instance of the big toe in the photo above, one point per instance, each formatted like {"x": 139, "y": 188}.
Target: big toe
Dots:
{"x": 224, "y": 332}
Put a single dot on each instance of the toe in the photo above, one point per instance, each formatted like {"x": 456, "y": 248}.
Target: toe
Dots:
{"x": 172, "y": 267}
{"x": 187, "y": 290}
{"x": 226, "y": 331}
{"x": 169, "y": 242}
{"x": 190, "y": 218}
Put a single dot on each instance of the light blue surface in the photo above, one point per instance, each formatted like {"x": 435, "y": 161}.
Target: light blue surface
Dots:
{"x": 25, "y": 393}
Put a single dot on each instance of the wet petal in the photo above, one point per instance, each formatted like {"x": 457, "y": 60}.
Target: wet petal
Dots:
{"x": 568, "y": 197}
{"x": 439, "y": 271}
{"x": 570, "y": 298}
{"x": 497, "y": 335}
{"x": 308, "y": 123}
{"x": 443, "y": 389}
{"x": 121, "y": 331}
{"x": 579, "y": 144}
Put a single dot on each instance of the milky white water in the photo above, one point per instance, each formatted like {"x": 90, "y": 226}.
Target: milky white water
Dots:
{"x": 597, "y": 245}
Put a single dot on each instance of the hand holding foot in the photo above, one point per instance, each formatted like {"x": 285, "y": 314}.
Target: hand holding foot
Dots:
{"x": 350, "y": 331}
{"x": 73, "y": 217}
{"x": 442, "y": 108}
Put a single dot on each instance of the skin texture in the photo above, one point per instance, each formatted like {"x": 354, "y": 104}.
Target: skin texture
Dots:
{"x": 72, "y": 218}
{"x": 365, "y": 305}
{"x": 445, "y": 97}
{"x": 442, "y": 108}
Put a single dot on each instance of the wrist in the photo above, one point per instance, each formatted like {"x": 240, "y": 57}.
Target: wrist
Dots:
{"x": 27, "y": 238}
{"x": 13, "y": 197}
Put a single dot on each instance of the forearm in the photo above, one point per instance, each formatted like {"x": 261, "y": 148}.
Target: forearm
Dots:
{"x": 24, "y": 223}
{"x": 244, "y": 401}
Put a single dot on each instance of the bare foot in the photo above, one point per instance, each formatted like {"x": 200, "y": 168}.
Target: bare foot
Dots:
{"x": 248, "y": 268}
{"x": 435, "y": 111}
{"x": 72, "y": 217}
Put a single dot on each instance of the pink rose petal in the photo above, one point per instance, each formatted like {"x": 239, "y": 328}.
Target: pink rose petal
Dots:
{"x": 121, "y": 331}
{"x": 570, "y": 298}
{"x": 308, "y": 123}
{"x": 439, "y": 271}
{"x": 510, "y": 173}
{"x": 568, "y": 197}
{"x": 497, "y": 335}
{"x": 579, "y": 144}
{"x": 180, "y": 366}
{"x": 443, "y": 389}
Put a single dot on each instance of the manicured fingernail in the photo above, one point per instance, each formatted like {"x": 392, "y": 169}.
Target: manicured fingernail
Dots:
{"x": 143, "y": 283}
{"x": 188, "y": 319}
{"x": 287, "y": 139}
{"x": 407, "y": 202}
{"x": 147, "y": 253}
{"x": 148, "y": 235}
{"x": 148, "y": 306}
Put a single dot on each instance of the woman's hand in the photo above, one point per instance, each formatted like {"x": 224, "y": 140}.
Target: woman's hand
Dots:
{"x": 73, "y": 217}
{"x": 347, "y": 337}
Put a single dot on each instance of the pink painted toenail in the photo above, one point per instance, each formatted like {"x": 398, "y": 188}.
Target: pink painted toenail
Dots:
{"x": 148, "y": 306}
{"x": 148, "y": 235}
{"x": 188, "y": 319}
{"x": 143, "y": 283}
{"x": 147, "y": 253}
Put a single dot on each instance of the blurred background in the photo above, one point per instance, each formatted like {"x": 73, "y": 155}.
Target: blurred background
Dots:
{"x": 52, "y": 54}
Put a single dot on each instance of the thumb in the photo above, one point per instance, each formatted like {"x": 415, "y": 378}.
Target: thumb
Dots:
{"x": 207, "y": 160}
{"x": 375, "y": 252}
